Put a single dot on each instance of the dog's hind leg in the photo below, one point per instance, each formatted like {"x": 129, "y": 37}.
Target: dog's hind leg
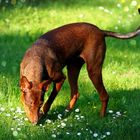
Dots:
{"x": 94, "y": 68}
{"x": 73, "y": 73}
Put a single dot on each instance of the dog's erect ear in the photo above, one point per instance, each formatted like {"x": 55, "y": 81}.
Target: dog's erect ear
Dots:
{"x": 45, "y": 85}
{"x": 25, "y": 84}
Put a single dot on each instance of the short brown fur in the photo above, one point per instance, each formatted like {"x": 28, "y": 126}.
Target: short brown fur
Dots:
{"x": 71, "y": 45}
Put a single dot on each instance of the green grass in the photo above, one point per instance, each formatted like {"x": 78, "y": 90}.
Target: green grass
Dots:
{"x": 21, "y": 25}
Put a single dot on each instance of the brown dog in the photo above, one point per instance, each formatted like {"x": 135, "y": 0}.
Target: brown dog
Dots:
{"x": 71, "y": 45}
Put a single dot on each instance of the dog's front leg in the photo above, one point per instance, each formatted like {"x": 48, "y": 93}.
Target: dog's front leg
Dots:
{"x": 56, "y": 88}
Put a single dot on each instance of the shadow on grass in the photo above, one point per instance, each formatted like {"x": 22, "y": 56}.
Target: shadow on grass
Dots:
{"x": 12, "y": 49}
{"x": 76, "y": 3}
{"x": 120, "y": 100}
{"x": 54, "y": 115}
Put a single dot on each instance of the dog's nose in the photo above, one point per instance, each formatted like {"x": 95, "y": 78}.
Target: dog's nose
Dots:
{"x": 34, "y": 123}
{"x": 34, "y": 120}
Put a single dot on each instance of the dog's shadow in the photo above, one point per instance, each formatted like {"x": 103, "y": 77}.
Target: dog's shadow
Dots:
{"x": 54, "y": 115}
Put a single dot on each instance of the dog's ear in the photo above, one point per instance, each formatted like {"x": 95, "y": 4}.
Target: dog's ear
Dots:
{"x": 25, "y": 84}
{"x": 45, "y": 85}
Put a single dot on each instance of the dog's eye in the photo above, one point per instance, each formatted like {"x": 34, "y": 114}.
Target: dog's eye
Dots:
{"x": 31, "y": 104}
{"x": 24, "y": 91}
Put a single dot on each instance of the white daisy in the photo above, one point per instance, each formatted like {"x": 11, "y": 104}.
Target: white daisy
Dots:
{"x": 2, "y": 109}
{"x": 118, "y": 113}
{"x": 63, "y": 124}
{"x": 67, "y": 133}
{"x": 95, "y": 135}
{"x": 77, "y": 110}
{"x": 48, "y": 121}
{"x": 53, "y": 136}
{"x": 59, "y": 116}
{"x": 110, "y": 111}
{"x": 78, "y": 134}
{"x": 15, "y": 133}
{"x": 108, "y": 133}
{"x": 134, "y": 3}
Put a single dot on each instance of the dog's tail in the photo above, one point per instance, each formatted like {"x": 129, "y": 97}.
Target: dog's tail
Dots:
{"x": 122, "y": 36}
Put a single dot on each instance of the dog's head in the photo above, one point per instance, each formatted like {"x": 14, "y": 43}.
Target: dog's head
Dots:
{"x": 32, "y": 97}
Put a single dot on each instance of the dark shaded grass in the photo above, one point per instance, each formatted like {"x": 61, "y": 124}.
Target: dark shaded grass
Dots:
{"x": 59, "y": 3}
{"x": 122, "y": 56}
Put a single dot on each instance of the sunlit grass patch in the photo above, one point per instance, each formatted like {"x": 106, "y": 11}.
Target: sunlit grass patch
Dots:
{"x": 21, "y": 25}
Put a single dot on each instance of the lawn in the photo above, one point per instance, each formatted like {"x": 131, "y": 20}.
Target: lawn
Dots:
{"x": 22, "y": 24}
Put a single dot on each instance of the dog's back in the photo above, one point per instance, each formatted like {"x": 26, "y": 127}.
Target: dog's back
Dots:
{"x": 69, "y": 40}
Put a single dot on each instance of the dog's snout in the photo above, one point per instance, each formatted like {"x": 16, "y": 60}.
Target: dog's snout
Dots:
{"x": 34, "y": 123}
